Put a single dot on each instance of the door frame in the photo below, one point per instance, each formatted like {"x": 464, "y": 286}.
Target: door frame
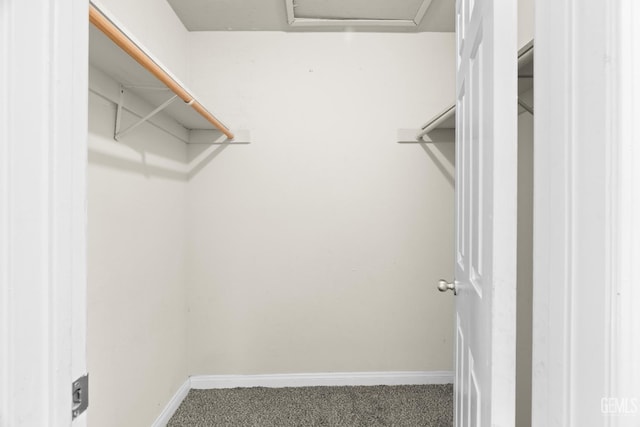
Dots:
{"x": 586, "y": 214}
{"x": 43, "y": 161}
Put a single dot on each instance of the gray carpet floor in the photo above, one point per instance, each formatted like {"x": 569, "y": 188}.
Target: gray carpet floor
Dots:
{"x": 398, "y": 406}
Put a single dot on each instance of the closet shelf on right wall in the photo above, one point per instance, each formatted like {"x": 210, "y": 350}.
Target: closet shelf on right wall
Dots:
{"x": 441, "y": 127}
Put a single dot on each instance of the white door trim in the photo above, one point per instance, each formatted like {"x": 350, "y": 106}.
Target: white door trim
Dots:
{"x": 552, "y": 241}
{"x": 43, "y": 122}
{"x": 624, "y": 215}
{"x": 586, "y": 214}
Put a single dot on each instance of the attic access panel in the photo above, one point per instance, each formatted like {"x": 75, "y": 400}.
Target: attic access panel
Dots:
{"x": 357, "y": 9}
{"x": 407, "y": 13}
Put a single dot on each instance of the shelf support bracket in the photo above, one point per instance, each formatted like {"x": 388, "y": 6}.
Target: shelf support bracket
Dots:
{"x": 526, "y": 106}
{"x": 116, "y": 130}
{"x": 118, "y": 134}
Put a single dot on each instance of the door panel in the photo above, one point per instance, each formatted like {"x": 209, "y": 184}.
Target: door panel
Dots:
{"x": 486, "y": 175}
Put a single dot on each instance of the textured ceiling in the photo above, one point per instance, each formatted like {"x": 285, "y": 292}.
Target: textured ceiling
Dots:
{"x": 271, "y": 15}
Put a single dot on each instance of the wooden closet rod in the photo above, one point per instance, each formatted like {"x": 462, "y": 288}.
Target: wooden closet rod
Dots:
{"x": 103, "y": 23}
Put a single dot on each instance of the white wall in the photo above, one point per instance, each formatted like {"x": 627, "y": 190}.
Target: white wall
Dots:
{"x": 136, "y": 256}
{"x": 136, "y": 293}
{"x": 525, "y": 267}
{"x": 526, "y": 28}
{"x": 318, "y": 247}
{"x": 155, "y": 25}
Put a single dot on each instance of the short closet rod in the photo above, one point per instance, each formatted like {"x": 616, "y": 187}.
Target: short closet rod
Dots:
{"x": 102, "y": 23}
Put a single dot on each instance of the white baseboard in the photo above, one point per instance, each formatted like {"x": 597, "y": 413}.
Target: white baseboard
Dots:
{"x": 322, "y": 379}
{"x": 173, "y": 405}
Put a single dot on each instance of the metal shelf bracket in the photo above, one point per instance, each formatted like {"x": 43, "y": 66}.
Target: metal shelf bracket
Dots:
{"x": 118, "y": 134}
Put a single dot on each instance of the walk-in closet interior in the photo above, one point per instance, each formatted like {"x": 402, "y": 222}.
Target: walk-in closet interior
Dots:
{"x": 272, "y": 199}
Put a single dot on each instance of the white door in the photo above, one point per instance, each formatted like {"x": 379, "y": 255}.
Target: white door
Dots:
{"x": 486, "y": 179}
